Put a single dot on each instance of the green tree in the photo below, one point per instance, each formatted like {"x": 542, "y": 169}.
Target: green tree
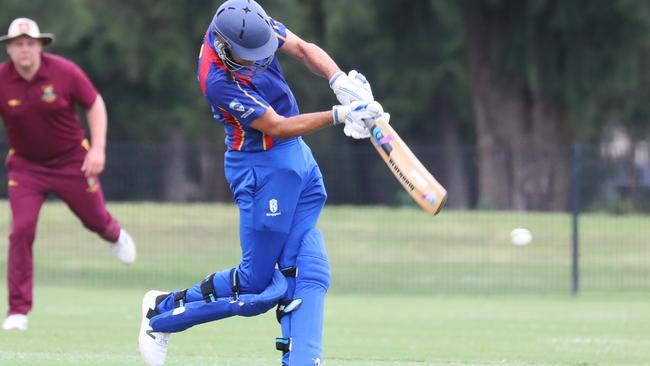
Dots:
{"x": 537, "y": 70}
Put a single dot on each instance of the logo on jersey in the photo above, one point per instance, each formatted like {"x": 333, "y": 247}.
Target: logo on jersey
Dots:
{"x": 316, "y": 361}
{"x": 273, "y": 208}
{"x": 48, "y": 94}
{"x": 236, "y": 105}
{"x": 248, "y": 113}
{"x": 13, "y": 103}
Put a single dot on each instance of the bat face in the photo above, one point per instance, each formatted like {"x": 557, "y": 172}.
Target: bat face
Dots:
{"x": 406, "y": 167}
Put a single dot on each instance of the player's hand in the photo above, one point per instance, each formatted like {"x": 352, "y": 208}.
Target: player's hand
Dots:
{"x": 93, "y": 164}
{"x": 351, "y": 87}
{"x": 384, "y": 117}
{"x": 356, "y": 117}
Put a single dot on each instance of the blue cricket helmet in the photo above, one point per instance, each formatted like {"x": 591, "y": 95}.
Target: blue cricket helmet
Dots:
{"x": 242, "y": 28}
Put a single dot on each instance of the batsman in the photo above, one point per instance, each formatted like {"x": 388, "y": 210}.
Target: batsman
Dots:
{"x": 275, "y": 182}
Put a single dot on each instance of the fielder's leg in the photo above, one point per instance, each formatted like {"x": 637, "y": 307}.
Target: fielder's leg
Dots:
{"x": 26, "y": 196}
{"x": 85, "y": 198}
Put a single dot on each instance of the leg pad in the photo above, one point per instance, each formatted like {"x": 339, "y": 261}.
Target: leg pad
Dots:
{"x": 199, "y": 312}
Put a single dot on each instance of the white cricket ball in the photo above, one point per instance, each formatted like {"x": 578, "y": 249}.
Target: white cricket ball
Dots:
{"x": 521, "y": 236}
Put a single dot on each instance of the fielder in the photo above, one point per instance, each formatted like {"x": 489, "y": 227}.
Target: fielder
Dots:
{"x": 275, "y": 182}
{"x": 49, "y": 154}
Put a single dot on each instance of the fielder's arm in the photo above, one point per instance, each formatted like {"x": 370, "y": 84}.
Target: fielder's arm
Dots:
{"x": 95, "y": 159}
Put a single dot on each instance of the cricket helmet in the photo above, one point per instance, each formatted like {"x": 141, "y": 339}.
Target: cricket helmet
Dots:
{"x": 242, "y": 28}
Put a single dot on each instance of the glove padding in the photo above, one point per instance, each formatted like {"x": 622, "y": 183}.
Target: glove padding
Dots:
{"x": 356, "y": 131}
{"x": 355, "y": 116}
{"x": 353, "y": 87}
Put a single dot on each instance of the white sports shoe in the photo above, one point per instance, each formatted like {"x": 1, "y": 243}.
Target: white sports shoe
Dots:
{"x": 17, "y": 322}
{"x": 124, "y": 248}
{"x": 153, "y": 345}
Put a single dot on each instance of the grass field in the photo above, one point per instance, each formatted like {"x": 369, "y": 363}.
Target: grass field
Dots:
{"x": 407, "y": 290}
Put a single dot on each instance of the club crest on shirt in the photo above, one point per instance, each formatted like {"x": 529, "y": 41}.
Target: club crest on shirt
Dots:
{"x": 236, "y": 105}
{"x": 92, "y": 185}
{"x": 14, "y": 102}
{"x": 48, "y": 94}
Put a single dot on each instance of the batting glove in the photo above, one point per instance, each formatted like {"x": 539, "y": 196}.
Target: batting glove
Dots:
{"x": 356, "y": 117}
{"x": 351, "y": 87}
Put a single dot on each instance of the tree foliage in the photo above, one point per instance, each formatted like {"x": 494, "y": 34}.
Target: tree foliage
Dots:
{"x": 589, "y": 54}
{"x": 569, "y": 65}
{"x": 585, "y": 54}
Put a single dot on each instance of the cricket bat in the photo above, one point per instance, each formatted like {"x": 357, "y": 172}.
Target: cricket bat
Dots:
{"x": 406, "y": 167}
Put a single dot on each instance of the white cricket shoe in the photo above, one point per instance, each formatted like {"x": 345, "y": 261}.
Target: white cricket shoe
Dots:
{"x": 17, "y": 322}
{"x": 153, "y": 345}
{"x": 124, "y": 248}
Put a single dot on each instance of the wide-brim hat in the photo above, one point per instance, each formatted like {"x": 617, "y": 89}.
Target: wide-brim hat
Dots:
{"x": 26, "y": 27}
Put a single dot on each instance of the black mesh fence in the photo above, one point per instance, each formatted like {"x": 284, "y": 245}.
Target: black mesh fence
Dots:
{"x": 176, "y": 204}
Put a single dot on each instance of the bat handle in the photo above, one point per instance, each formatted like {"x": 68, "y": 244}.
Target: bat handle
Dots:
{"x": 369, "y": 123}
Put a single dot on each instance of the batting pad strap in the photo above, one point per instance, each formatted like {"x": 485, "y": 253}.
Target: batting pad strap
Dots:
{"x": 289, "y": 271}
{"x": 151, "y": 313}
{"x": 285, "y": 307}
{"x": 207, "y": 289}
{"x": 199, "y": 312}
{"x": 234, "y": 282}
{"x": 283, "y": 344}
{"x": 179, "y": 298}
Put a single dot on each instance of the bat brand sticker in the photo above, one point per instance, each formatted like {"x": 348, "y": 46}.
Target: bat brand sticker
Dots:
{"x": 421, "y": 181}
{"x": 406, "y": 182}
{"x": 382, "y": 140}
{"x": 430, "y": 197}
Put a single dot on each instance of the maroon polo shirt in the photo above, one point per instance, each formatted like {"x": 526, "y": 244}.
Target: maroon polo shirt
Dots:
{"x": 39, "y": 115}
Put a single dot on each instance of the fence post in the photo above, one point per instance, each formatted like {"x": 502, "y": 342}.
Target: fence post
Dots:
{"x": 576, "y": 154}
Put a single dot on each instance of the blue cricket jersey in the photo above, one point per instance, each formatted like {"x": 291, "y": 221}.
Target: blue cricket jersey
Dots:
{"x": 236, "y": 101}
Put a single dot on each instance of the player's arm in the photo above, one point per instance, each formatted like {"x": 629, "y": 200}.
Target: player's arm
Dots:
{"x": 276, "y": 125}
{"x": 310, "y": 55}
{"x": 347, "y": 87}
{"x": 97, "y": 118}
{"x": 352, "y": 115}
